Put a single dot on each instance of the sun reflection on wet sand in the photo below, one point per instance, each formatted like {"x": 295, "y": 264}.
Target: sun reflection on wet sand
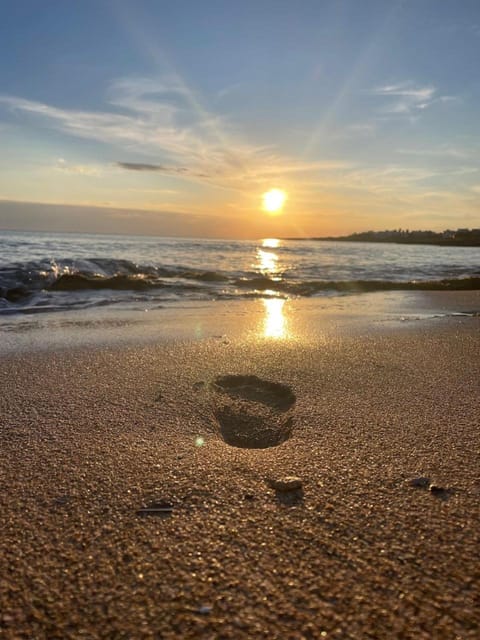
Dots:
{"x": 275, "y": 323}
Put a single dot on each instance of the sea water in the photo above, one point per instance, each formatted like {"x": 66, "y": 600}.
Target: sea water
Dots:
{"x": 46, "y": 272}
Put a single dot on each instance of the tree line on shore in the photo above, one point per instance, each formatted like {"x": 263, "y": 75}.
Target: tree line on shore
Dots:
{"x": 449, "y": 237}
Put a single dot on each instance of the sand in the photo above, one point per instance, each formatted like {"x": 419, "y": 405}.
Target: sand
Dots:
{"x": 91, "y": 435}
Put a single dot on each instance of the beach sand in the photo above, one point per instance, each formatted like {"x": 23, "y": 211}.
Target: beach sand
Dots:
{"x": 91, "y": 435}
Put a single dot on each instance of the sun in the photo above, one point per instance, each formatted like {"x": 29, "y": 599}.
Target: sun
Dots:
{"x": 274, "y": 200}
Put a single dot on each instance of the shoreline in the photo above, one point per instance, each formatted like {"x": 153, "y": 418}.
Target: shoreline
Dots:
{"x": 91, "y": 435}
{"x": 297, "y": 319}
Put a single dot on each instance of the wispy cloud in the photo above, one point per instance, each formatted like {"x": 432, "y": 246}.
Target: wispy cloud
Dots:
{"x": 407, "y": 98}
{"x": 228, "y": 91}
{"x": 438, "y": 152}
{"x": 361, "y": 128}
{"x": 77, "y": 169}
{"x": 162, "y": 119}
{"x": 159, "y": 168}
{"x": 390, "y": 179}
{"x": 255, "y": 172}
{"x": 154, "y": 191}
{"x": 142, "y": 166}
{"x": 159, "y": 126}
{"x": 405, "y": 89}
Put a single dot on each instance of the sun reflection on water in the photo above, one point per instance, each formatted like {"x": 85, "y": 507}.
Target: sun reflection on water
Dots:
{"x": 267, "y": 263}
{"x": 271, "y": 243}
{"x": 267, "y": 260}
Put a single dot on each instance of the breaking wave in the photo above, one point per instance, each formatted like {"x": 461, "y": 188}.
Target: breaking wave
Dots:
{"x": 50, "y": 285}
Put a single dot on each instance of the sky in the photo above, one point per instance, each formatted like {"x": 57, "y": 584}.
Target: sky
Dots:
{"x": 174, "y": 118}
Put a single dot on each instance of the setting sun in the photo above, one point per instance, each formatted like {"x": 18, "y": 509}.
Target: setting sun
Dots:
{"x": 274, "y": 200}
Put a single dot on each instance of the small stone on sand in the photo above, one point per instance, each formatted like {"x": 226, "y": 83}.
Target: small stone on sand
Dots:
{"x": 421, "y": 483}
{"x": 204, "y": 610}
{"x": 156, "y": 508}
{"x": 438, "y": 491}
{"x": 288, "y": 483}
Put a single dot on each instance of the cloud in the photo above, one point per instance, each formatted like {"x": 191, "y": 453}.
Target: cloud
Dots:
{"x": 77, "y": 169}
{"x": 141, "y": 166}
{"x": 228, "y": 91}
{"x": 153, "y": 117}
{"x": 439, "y": 152}
{"x": 159, "y": 168}
{"x": 159, "y": 126}
{"x": 406, "y": 98}
{"x": 153, "y": 191}
{"x": 162, "y": 121}
{"x": 257, "y": 173}
{"x": 389, "y": 179}
{"x": 403, "y": 89}
{"x": 362, "y": 128}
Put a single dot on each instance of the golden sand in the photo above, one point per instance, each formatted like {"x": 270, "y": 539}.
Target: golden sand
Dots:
{"x": 364, "y": 549}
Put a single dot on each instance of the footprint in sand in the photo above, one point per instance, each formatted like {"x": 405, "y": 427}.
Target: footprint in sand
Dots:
{"x": 253, "y": 413}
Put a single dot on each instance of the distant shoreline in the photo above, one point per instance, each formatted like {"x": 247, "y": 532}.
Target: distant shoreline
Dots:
{"x": 448, "y": 238}
{"x": 440, "y": 243}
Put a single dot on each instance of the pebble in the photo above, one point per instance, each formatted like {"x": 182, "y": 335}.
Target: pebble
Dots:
{"x": 438, "y": 491}
{"x": 156, "y": 508}
{"x": 289, "y": 483}
{"x": 422, "y": 482}
{"x": 204, "y": 610}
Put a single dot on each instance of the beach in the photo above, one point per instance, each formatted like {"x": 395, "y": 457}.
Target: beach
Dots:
{"x": 240, "y": 320}
{"x": 125, "y": 514}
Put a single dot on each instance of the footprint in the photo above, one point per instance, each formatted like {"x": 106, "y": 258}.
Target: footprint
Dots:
{"x": 253, "y": 413}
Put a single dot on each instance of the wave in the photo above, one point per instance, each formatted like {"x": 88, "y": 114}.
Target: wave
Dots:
{"x": 19, "y": 281}
{"x": 22, "y": 283}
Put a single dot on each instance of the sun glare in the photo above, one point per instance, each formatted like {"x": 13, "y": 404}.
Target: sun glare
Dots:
{"x": 274, "y": 200}
{"x": 270, "y": 243}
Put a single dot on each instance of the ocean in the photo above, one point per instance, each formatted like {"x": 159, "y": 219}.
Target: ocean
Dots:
{"x": 50, "y": 272}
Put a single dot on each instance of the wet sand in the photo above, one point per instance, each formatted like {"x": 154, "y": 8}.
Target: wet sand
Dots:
{"x": 91, "y": 436}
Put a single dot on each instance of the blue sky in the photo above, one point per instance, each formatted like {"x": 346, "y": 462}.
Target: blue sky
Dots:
{"x": 175, "y": 118}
